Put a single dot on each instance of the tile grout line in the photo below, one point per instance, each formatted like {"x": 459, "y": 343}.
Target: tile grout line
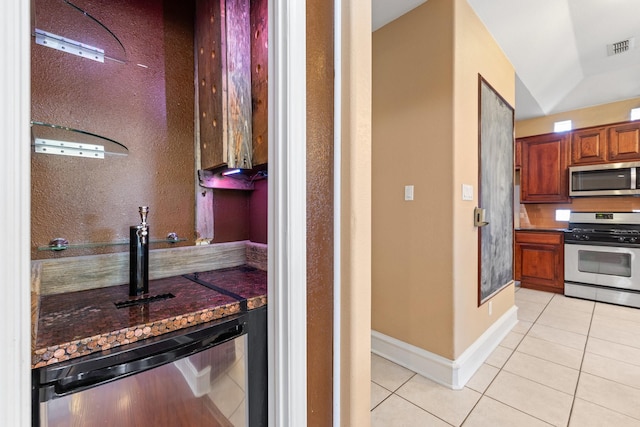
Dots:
{"x": 604, "y": 378}
{"x": 392, "y": 392}
{"x": 483, "y": 394}
{"x": 584, "y": 352}
{"x": 580, "y": 368}
{"x": 501, "y": 368}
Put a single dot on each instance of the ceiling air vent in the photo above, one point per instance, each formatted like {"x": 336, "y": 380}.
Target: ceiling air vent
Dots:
{"x": 621, "y": 46}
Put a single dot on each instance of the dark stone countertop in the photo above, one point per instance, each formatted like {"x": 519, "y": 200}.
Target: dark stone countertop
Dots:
{"x": 541, "y": 229}
{"x": 79, "y": 323}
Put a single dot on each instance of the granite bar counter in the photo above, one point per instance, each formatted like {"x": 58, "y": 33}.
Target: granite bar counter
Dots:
{"x": 541, "y": 229}
{"x": 79, "y": 323}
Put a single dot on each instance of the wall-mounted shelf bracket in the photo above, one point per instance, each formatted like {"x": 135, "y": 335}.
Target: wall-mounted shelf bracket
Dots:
{"x": 65, "y": 148}
{"x": 73, "y": 47}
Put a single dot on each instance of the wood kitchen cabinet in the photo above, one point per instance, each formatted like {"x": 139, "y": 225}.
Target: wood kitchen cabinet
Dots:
{"x": 589, "y": 146}
{"x": 624, "y": 142}
{"x": 539, "y": 260}
{"x": 543, "y": 173}
{"x": 605, "y": 144}
{"x": 518, "y": 155}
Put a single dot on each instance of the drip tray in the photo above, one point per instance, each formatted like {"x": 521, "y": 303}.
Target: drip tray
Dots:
{"x": 145, "y": 300}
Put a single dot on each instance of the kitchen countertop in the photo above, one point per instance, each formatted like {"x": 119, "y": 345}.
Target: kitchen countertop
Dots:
{"x": 75, "y": 324}
{"x": 541, "y": 229}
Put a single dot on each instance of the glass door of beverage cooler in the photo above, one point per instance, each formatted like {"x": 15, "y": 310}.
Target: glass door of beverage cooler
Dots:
{"x": 195, "y": 380}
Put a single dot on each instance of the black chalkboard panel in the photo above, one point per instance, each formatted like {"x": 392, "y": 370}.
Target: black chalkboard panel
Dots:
{"x": 496, "y": 170}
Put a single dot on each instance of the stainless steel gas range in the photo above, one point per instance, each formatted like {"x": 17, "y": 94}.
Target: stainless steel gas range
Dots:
{"x": 602, "y": 257}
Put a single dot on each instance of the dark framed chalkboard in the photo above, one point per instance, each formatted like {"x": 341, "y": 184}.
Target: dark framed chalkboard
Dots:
{"x": 495, "y": 194}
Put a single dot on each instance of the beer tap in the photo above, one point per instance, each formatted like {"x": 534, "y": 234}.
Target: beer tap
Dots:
{"x": 139, "y": 255}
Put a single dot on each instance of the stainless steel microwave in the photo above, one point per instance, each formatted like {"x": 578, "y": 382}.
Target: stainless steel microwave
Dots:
{"x": 612, "y": 179}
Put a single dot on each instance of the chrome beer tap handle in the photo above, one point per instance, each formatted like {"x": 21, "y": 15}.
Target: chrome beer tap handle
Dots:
{"x": 139, "y": 255}
{"x": 143, "y": 231}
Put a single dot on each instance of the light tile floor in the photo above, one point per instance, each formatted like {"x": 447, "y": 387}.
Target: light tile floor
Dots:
{"x": 568, "y": 362}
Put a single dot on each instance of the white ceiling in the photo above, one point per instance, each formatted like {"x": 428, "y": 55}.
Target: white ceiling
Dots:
{"x": 557, "y": 47}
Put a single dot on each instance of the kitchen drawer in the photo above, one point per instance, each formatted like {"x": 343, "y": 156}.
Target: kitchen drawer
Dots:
{"x": 543, "y": 237}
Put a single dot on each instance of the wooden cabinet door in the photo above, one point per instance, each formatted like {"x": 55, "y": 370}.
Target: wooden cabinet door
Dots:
{"x": 624, "y": 142}
{"x": 539, "y": 260}
{"x": 224, "y": 83}
{"x": 259, "y": 80}
{"x": 518, "y": 155}
{"x": 543, "y": 174}
{"x": 588, "y": 146}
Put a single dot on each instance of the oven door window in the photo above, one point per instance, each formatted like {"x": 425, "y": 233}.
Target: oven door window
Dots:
{"x": 609, "y": 263}
{"x": 205, "y": 389}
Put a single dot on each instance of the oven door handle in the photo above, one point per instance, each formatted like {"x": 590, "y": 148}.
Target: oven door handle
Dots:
{"x": 85, "y": 380}
{"x": 601, "y": 244}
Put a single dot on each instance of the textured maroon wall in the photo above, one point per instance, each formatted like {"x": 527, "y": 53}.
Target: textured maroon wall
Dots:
{"x": 240, "y": 215}
{"x": 149, "y": 109}
{"x": 258, "y": 213}
{"x": 230, "y": 215}
{"x": 320, "y": 75}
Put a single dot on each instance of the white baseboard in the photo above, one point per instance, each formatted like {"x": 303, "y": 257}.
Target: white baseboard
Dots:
{"x": 450, "y": 373}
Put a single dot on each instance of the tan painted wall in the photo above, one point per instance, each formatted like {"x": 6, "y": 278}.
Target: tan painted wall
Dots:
{"x": 412, "y": 134}
{"x": 355, "y": 214}
{"x": 425, "y": 133}
{"x": 475, "y": 52}
{"x": 584, "y": 117}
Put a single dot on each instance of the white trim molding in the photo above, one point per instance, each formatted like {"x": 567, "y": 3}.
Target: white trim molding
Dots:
{"x": 287, "y": 234}
{"x": 337, "y": 213}
{"x": 15, "y": 214}
{"x": 450, "y": 373}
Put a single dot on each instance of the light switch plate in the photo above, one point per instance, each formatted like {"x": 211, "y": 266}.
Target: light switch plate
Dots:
{"x": 408, "y": 192}
{"x": 467, "y": 192}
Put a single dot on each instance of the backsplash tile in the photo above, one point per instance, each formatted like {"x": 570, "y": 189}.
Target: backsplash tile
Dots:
{"x": 257, "y": 255}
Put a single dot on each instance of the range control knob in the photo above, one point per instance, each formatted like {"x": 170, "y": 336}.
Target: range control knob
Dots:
{"x": 621, "y": 239}
{"x": 633, "y": 239}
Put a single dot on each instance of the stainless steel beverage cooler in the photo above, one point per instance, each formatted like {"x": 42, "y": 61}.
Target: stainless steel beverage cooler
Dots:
{"x": 211, "y": 375}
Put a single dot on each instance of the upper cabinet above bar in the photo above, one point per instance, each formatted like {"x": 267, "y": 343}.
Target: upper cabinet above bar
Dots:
{"x": 223, "y": 58}
{"x": 259, "y": 79}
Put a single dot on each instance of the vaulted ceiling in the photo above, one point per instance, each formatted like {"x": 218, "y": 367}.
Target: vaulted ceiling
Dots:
{"x": 560, "y": 49}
